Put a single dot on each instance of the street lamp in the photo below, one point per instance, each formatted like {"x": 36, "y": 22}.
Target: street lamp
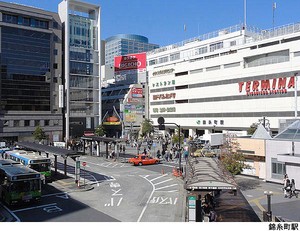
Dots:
{"x": 269, "y": 213}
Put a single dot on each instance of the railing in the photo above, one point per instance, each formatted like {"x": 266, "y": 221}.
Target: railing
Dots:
{"x": 255, "y": 34}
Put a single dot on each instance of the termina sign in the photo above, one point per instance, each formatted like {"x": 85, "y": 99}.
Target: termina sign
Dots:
{"x": 267, "y": 86}
{"x": 130, "y": 62}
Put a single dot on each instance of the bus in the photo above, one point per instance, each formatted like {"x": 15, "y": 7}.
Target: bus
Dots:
{"x": 19, "y": 183}
{"x": 8, "y": 162}
{"x": 34, "y": 161}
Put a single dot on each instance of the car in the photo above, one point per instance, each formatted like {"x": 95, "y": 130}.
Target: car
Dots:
{"x": 142, "y": 159}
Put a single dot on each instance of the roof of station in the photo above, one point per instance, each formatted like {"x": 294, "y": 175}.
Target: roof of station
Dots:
{"x": 101, "y": 138}
{"x": 206, "y": 173}
{"x": 261, "y": 133}
{"x": 292, "y": 132}
{"x": 48, "y": 149}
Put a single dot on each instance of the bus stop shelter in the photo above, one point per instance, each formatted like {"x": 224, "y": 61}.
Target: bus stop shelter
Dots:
{"x": 207, "y": 174}
{"x": 97, "y": 140}
{"x": 56, "y": 151}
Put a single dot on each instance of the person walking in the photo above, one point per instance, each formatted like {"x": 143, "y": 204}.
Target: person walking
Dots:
{"x": 293, "y": 189}
{"x": 285, "y": 184}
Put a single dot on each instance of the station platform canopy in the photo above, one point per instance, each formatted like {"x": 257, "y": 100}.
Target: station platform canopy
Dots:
{"x": 207, "y": 174}
{"x": 48, "y": 149}
{"x": 102, "y": 139}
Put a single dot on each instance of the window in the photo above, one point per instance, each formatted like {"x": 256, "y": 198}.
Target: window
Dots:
{"x": 232, "y": 43}
{"x": 216, "y": 46}
{"x": 278, "y": 169}
{"x": 55, "y": 25}
{"x": 163, "y": 59}
{"x": 55, "y": 65}
{"x": 5, "y": 123}
{"x": 55, "y": 51}
{"x": 36, "y": 123}
{"x": 196, "y": 71}
{"x": 202, "y": 50}
{"x": 26, "y": 123}
{"x": 47, "y": 122}
{"x": 229, "y": 65}
{"x": 16, "y": 123}
{"x": 182, "y": 101}
{"x": 182, "y": 73}
{"x": 213, "y": 68}
{"x": 175, "y": 56}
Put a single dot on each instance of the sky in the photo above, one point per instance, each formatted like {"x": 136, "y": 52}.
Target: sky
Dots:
{"x": 162, "y": 21}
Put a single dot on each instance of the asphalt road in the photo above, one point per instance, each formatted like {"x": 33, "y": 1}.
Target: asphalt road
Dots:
{"x": 121, "y": 192}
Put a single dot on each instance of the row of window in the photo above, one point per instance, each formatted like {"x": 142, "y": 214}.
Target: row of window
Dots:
{"x": 26, "y": 21}
{"x": 29, "y": 123}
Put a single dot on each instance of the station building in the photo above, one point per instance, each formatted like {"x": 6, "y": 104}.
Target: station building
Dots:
{"x": 226, "y": 80}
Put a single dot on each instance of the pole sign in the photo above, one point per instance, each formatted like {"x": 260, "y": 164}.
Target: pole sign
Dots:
{"x": 192, "y": 208}
{"x": 83, "y": 164}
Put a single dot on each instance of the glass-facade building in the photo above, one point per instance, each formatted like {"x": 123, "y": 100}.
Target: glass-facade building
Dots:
{"x": 30, "y": 60}
{"x": 81, "y": 32}
{"x": 123, "y": 44}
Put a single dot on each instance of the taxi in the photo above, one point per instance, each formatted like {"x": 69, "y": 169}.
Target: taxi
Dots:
{"x": 142, "y": 159}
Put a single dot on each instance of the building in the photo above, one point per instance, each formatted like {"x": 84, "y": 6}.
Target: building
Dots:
{"x": 82, "y": 63}
{"x": 124, "y": 44}
{"x": 30, "y": 49}
{"x": 226, "y": 80}
{"x": 123, "y": 73}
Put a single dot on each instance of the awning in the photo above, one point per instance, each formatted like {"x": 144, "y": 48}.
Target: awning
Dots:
{"x": 208, "y": 174}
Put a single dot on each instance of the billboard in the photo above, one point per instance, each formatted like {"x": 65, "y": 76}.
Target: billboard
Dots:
{"x": 130, "y": 68}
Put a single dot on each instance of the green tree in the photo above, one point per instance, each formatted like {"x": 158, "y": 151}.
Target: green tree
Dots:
{"x": 175, "y": 138}
{"x": 231, "y": 156}
{"x": 100, "y": 130}
{"x": 146, "y": 128}
{"x": 252, "y": 129}
{"x": 39, "y": 134}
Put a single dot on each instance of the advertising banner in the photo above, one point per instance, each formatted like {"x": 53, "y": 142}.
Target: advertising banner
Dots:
{"x": 137, "y": 92}
{"x": 130, "y": 68}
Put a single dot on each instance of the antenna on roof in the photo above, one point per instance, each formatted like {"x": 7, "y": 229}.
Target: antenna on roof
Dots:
{"x": 274, "y": 7}
{"x": 245, "y": 14}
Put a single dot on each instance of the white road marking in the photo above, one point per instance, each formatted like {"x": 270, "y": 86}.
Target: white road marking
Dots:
{"x": 36, "y": 207}
{"x": 166, "y": 186}
{"x": 158, "y": 177}
{"x": 162, "y": 182}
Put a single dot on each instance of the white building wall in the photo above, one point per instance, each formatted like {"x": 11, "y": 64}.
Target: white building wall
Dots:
{"x": 278, "y": 147}
{"x": 215, "y": 96}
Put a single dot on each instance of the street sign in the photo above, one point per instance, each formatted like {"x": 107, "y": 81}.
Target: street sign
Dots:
{"x": 161, "y": 120}
{"x": 83, "y": 164}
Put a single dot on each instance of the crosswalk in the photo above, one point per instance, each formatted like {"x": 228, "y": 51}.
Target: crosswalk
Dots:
{"x": 162, "y": 183}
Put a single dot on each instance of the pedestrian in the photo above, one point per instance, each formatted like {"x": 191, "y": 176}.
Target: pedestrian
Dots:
{"x": 293, "y": 189}
{"x": 124, "y": 149}
{"x": 287, "y": 188}
{"x": 158, "y": 154}
{"x": 285, "y": 184}
{"x": 212, "y": 216}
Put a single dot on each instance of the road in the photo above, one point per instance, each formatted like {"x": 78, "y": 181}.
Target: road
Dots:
{"x": 121, "y": 192}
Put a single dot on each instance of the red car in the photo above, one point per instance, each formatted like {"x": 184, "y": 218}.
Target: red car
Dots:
{"x": 142, "y": 159}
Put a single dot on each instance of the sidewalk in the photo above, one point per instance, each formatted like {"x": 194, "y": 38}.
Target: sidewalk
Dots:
{"x": 253, "y": 190}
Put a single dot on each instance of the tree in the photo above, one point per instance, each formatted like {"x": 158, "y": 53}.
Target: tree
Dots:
{"x": 252, "y": 129}
{"x": 100, "y": 130}
{"x": 39, "y": 134}
{"x": 231, "y": 156}
{"x": 175, "y": 138}
{"x": 146, "y": 128}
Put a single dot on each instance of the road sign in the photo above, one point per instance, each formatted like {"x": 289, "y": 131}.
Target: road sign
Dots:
{"x": 83, "y": 164}
{"x": 161, "y": 120}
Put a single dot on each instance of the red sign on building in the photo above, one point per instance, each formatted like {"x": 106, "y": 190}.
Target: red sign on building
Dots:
{"x": 130, "y": 62}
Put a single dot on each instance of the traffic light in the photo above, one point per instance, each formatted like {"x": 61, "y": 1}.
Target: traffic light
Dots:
{"x": 161, "y": 127}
